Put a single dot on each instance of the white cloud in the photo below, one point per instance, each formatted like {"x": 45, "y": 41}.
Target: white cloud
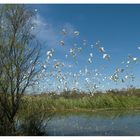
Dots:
{"x": 45, "y": 32}
{"x": 48, "y": 34}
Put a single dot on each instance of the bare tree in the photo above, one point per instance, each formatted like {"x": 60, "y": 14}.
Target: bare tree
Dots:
{"x": 19, "y": 54}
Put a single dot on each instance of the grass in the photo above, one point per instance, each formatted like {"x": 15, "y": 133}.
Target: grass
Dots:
{"x": 80, "y": 101}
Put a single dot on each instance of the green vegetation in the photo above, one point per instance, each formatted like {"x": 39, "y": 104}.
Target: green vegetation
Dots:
{"x": 81, "y": 101}
{"x": 18, "y": 61}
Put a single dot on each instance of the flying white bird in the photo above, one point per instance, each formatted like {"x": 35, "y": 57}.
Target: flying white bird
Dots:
{"x": 64, "y": 31}
{"x": 91, "y": 54}
{"x": 89, "y": 60}
{"x": 76, "y": 33}
{"x": 50, "y": 53}
{"x": 126, "y": 77}
{"x": 101, "y": 49}
{"x": 106, "y": 56}
{"x": 62, "y": 43}
{"x": 135, "y": 59}
{"x": 44, "y": 66}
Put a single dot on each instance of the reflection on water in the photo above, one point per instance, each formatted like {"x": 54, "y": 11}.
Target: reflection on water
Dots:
{"x": 105, "y": 123}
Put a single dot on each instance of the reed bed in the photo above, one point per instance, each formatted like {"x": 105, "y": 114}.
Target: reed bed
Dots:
{"x": 81, "y": 101}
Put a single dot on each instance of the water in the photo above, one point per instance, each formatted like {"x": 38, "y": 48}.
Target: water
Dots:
{"x": 105, "y": 123}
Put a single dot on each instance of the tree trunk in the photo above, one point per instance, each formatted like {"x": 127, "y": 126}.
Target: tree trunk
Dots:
{"x": 12, "y": 127}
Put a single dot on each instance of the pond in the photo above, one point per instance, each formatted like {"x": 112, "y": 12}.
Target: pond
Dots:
{"x": 100, "y": 123}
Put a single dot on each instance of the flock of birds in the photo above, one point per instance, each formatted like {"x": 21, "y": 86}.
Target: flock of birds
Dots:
{"x": 59, "y": 75}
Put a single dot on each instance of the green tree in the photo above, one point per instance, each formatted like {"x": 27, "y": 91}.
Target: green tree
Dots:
{"x": 19, "y": 54}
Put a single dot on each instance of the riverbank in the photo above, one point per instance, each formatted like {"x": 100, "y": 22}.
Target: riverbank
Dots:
{"x": 82, "y": 102}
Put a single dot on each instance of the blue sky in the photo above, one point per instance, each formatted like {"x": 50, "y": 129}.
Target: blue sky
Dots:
{"x": 117, "y": 27}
